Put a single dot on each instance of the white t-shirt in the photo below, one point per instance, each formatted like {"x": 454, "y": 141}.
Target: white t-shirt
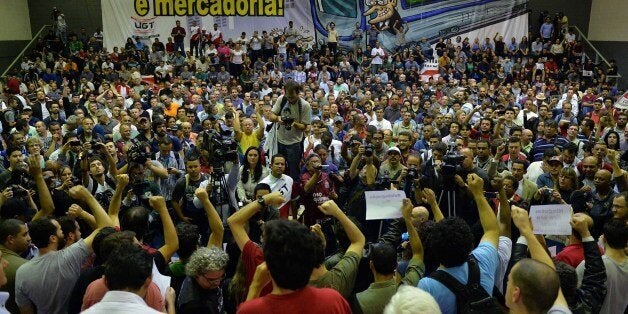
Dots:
{"x": 377, "y": 54}
{"x": 282, "y": 185}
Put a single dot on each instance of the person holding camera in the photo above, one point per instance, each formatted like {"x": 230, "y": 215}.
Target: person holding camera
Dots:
{"x": 317, "y": 187}
{"x": 391, "y": 169}
{"x": 100, "y": 181}
{"x": 292, "y": 115}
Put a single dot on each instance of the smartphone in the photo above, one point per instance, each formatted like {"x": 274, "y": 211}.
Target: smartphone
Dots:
{"x": 75, "y": 143}
{"x": 324, "y": 167}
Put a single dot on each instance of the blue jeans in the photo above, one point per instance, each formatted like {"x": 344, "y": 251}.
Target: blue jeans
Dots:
{"x": 178, "y": 45}
{"x": 293, "y": 154}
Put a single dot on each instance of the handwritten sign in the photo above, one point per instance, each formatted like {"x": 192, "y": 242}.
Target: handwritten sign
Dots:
{"x": 551, "y": 219}
{"x": 383, "y": 204}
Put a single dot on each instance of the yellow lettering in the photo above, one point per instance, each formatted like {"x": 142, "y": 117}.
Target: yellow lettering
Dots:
{"x": 141, "y": 7}
{"x": 215, "y": 8}
{"x": 228, "y": 7}
{"x": 180, "y": 7}
{"x": 242, "y": 7}
{"x": 202, "y": 7}
{"x": 270, "y": 8}
{"x": 163, "y": 7}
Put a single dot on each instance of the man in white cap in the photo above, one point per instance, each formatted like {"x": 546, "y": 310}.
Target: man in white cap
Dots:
{"x": 392, "y": 168}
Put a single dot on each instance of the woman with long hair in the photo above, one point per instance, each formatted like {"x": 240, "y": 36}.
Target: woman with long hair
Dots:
{"x": 251, "y": 173}
{"x": 612, "y": 140}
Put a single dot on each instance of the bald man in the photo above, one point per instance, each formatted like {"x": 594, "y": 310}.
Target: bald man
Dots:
{"x": 603, "y": 197}
{"x": 532, "y": 287}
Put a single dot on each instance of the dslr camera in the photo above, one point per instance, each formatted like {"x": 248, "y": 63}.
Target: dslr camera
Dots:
{"x": 18, "y": 191}
{"x": 287, "y": 122}
{"x": 368, "y": 150}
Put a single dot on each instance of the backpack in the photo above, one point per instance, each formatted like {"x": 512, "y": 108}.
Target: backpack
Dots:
{"x": 470, "y": 298}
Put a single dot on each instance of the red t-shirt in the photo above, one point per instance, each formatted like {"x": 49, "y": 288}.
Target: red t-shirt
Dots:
{"x": 319, "y": 195}
{"x": 252, "y": 256}
{"x": 573, "y": 255}
{"x": 303, "y": 301}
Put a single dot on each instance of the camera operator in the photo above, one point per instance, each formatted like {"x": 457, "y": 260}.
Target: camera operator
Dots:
{"x": 60, "y": 186}
{"x": 292, "y": 113}
{"x": 139, "y": 189}
{"x": 68, "y": 154}
{"x": 391, "y": 169}
{"x": 16, "y": 199}
{"x": 317, "y": 187}
{"x": 455, "y": 198}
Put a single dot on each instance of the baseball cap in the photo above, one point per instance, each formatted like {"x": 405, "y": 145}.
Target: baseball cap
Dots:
{"x": 338, "y": 119}
{"x": 393, "y": 149}
{"x": 555, "y": 159}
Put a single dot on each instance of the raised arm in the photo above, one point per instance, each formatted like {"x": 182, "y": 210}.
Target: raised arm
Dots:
{"x": 239, "y": 219}
{"x": 215, "y": 223}
{"x": 353, "y": 233}
{"x": 415, "y": 240}
{"x": 260, "y": 122}
{"x": 537, "y": 252}
{"x": 116, "y": 200}
{"x": 430, "y": 198}
{"x": 487, "y": 217}
{"x": 592, "y": 291}
{"x": 504, "y": 211}
{"x": 77, "y": 211}
{"x": 79, "y": 192}
{"x": 171, "y": 245}
{"x": 46, "y": 204}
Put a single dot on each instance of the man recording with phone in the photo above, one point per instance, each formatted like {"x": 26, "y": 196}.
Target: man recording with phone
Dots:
{"x": 292, "y": 114}
{"x": 317, "y": 188}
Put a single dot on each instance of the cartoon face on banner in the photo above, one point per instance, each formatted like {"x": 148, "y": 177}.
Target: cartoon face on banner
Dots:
{"x": 386, "y": 18}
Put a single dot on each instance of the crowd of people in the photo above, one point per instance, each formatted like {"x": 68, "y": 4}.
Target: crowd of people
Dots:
{"x": 241, "y": 171}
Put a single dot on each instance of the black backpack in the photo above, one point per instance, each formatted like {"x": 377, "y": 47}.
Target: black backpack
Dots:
{"x": 470, "y": 298}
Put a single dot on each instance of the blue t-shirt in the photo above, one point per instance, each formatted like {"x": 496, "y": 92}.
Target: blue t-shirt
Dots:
{"x": 487, "y": 258}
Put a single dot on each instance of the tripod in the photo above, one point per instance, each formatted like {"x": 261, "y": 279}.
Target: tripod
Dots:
{"x": 451, "y": 197}
{"x": 219, "y": 196}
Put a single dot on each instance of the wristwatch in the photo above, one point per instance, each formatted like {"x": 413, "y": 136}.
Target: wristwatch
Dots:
{"x": 260, "y": 200}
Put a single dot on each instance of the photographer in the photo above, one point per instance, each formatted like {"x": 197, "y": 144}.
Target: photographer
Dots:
{"x": 68, "y": 154}
{"x": 16, "y": 199}
{"x": 292, "y": 113}
{"x": 100, "y": 181}
{"x": 391, "y": 169}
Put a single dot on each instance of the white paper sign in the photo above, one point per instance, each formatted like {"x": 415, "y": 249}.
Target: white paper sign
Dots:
{"x": 384, "y": 204}
{"x": 551, "y": 219}
{"x": 162, "y": 282}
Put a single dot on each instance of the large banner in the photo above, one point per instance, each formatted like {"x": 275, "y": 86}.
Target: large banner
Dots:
{"x": 396, "y": 21}
{"x": 156, "y": 18}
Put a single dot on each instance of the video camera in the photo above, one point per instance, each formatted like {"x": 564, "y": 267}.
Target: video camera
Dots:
{"x": 138, "y": 152}
{"x": 222, "y": 145}
{"x": 451, "y": 161}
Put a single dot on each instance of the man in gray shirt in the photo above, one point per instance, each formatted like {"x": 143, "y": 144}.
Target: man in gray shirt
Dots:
{"x": 293, "y": 115}
{"x": 46, "y": 282}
